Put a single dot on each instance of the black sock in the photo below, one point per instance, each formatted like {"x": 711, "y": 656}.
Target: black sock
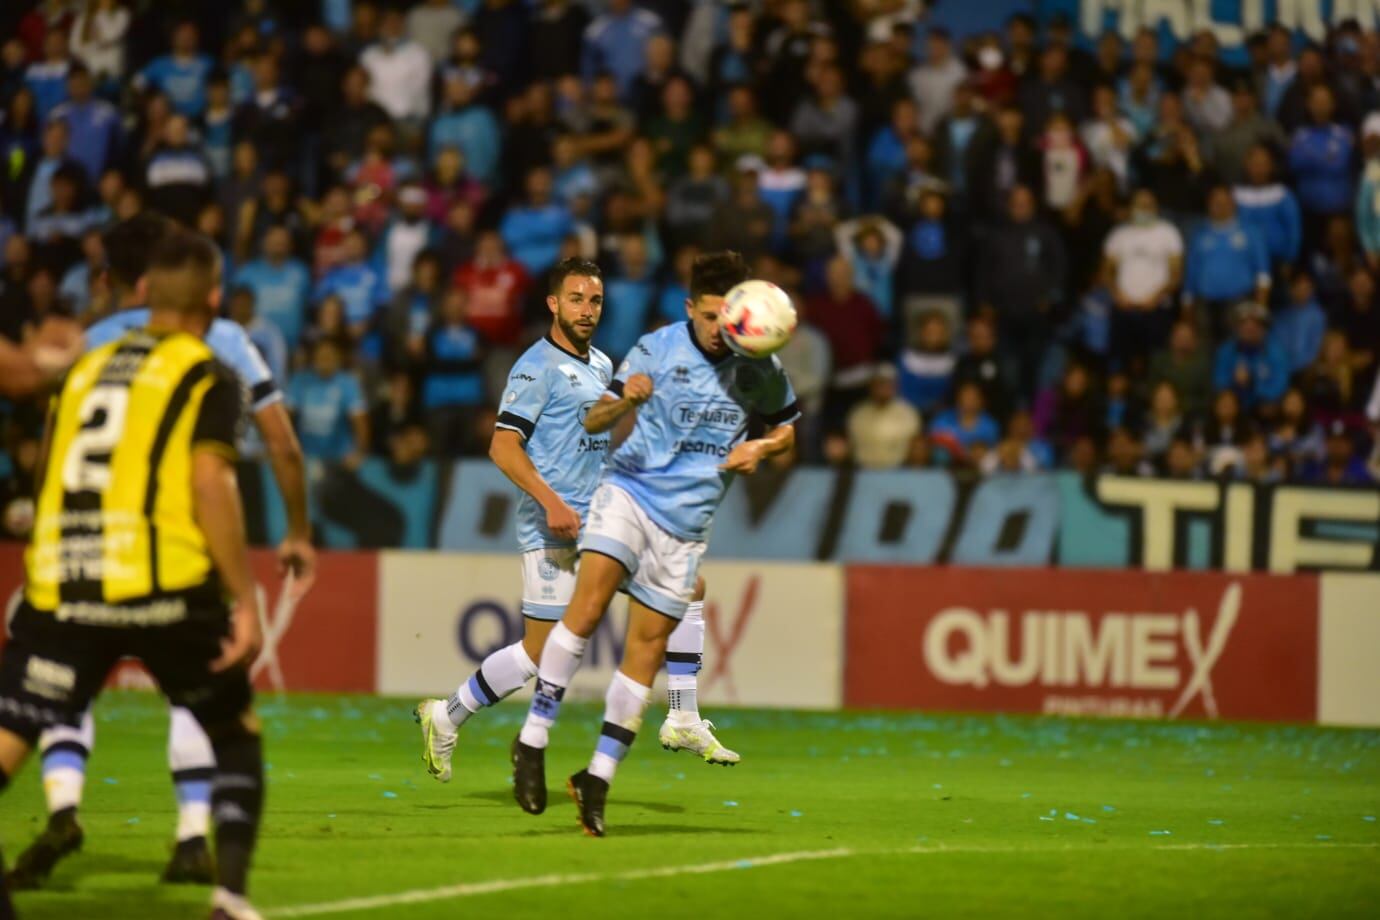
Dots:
{"x": 237, "y": 802}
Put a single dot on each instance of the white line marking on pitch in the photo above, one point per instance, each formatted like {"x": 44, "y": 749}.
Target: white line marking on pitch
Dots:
{"x": 448, "y": 892}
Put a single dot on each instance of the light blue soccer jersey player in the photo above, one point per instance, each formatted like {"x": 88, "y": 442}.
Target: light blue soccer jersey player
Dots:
{"x": 650, "y": 517}
{"x": 541, "y": 445}
{"x": 65, "y": 749}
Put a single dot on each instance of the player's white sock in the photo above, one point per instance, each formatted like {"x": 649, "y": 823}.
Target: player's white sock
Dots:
{"x": 623, "y": 707}
{"x": 193, "y": 764}
{"x": 65, "y": 752}
{"x": 499, "y": 676}
{"x": 684, "y": 655}
{"x": 560, "y": 659}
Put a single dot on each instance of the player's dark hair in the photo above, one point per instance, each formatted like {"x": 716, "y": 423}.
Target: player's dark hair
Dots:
{"x": 714, "y": 274}
{"x": 128, "y": 245}
{"x": 582, "y": 268}
{"x": 183, "y": 249}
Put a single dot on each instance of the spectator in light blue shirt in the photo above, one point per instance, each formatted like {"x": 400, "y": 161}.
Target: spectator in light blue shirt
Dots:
{"x": 181, "y": 75}
{"x": 632, "y": 288}
{"x": 280, "y": 285}
{"x": 1321, "y": 155}
{"x": 265, "y": 336}
{"x": 1299, "y": 326}
{"x": 55, "y": 156}
{"x": 1269, "y": 208}
{"x": 469, "y": 127}
{"x": 47, "y": 79}
{"x": 1251, "y": 364}
{"x": 328, "y": 403}
{"x": 616, "y": 42}
{"x": 361, "y": 287}
{"x": 93, "y": 125}
{"x": 957, "y": 432}
{"x": 535, "y": 230}
{"x": 1226, "y": 260}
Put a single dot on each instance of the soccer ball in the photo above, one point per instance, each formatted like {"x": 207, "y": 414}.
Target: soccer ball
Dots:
{"x": 758, "y": 318}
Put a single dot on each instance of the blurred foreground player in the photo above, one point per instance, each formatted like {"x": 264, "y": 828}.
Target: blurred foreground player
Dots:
{"x": 541, "y": 445}
{"x": 65, "y": 749}
{"x": 138, "y": 542}
{"x": 650, "y": 516}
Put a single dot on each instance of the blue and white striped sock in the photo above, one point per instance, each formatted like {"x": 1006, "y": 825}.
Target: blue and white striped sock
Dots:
{"x": 499, "y": 676}
{"x": 624, "y": 704}
{"x": 560, "y": 659}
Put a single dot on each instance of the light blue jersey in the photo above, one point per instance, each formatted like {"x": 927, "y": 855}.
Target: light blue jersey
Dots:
{"x": 227, "y": 339}
{"x": 698, "y": 412}
{"x": 549, "y": 392}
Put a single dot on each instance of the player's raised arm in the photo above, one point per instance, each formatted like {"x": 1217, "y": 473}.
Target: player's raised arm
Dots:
{"x": 777, "y": 406}
{"x": 622, "y": 399}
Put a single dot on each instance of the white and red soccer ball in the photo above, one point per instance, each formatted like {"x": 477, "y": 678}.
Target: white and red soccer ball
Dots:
{"x": 757, "y": 319}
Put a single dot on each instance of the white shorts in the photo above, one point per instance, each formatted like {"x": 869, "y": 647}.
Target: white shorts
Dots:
{"x": 548, "y": 581}
{"x": 661, "y": 566}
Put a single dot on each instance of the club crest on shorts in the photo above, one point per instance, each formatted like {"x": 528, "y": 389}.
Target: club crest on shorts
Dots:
{"x": 548, "y": 570}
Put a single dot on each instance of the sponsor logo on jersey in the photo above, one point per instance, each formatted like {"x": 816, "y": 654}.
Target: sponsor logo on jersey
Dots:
{"x": 722, "y": 416}
{"x": 701, "y": 447}
{"x": 528, "y": 378}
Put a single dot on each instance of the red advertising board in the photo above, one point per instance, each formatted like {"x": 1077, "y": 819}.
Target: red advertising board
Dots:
{"x": 1074, "y": 642}
{"x": 325, "y": 642}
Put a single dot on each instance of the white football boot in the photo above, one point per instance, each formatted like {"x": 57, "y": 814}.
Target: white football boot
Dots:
{"x": 697, "y": 738}
{"x": 437, "y": 745}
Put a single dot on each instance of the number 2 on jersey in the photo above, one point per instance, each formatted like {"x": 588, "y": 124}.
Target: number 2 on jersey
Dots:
{"x": 87, "y": 467}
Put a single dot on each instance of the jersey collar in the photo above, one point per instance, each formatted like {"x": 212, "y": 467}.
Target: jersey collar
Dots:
{"x": 711, "y": 358}
{"x": 552, "y": 342}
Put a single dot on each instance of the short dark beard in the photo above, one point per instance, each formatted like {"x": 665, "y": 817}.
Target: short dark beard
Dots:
{"x": 572, "y": 335}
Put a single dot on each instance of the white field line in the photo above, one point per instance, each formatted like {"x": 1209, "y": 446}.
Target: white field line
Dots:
{"x": 449, "y": 892}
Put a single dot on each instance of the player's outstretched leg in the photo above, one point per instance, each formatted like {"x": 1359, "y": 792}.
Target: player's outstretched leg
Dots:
{"x": 192, "y": 764}
{"x": 64, "y": 751}
{"x": 683, "y": 729}
{"x": 598, "y": 579}
{"x": 237, "y": 801}
{"x": 626, "y": 700}
{"x": 499, "y": 676}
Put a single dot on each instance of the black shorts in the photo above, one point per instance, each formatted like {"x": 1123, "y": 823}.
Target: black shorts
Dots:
{"x": 51, "y": 670}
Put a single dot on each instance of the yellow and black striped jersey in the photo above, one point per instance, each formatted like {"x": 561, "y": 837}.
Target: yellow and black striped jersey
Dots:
{"x": 114, "y": 522}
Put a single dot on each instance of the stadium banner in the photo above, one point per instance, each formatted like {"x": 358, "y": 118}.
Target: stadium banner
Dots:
{"x": 1128, "y": 643}
{"x": 441, "y": 614}
{"x": 1348, "y": 642}
{"x": 1230, "y": 21}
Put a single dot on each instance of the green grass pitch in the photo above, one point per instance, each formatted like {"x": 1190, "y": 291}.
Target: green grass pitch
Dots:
{"x": 885, "y": 815}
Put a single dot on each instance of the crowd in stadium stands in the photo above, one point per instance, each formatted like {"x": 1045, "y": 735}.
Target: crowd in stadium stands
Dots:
{"x": 1010, "y": 252}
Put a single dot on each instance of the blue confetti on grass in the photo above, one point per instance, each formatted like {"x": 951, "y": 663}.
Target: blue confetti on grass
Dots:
{"x": 744, "y": 864}
{"x": 1159, "y": 833}
{"x": 730, "y": 804}
{"x": 1053, "y": 812}
{"x": 796, "y": 814}
{"x": 390, "y": 795}
{"x": 680, "y": 776}
{"x": 1323, "y": 837}
{"x": 1216, "y": 822}
{"x": 1070, "y": 816}
{"x": 376, "y": 776}
{"x": 1368, "y": 818}
{"x": 132, "y": 821}
{"x": 1025, "y": 795}
{"x": 1089, "y": 820}
{"x": 1108, "y": 808}
{"x": 939, "y": 785}
{"x": 111, "y": 781}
